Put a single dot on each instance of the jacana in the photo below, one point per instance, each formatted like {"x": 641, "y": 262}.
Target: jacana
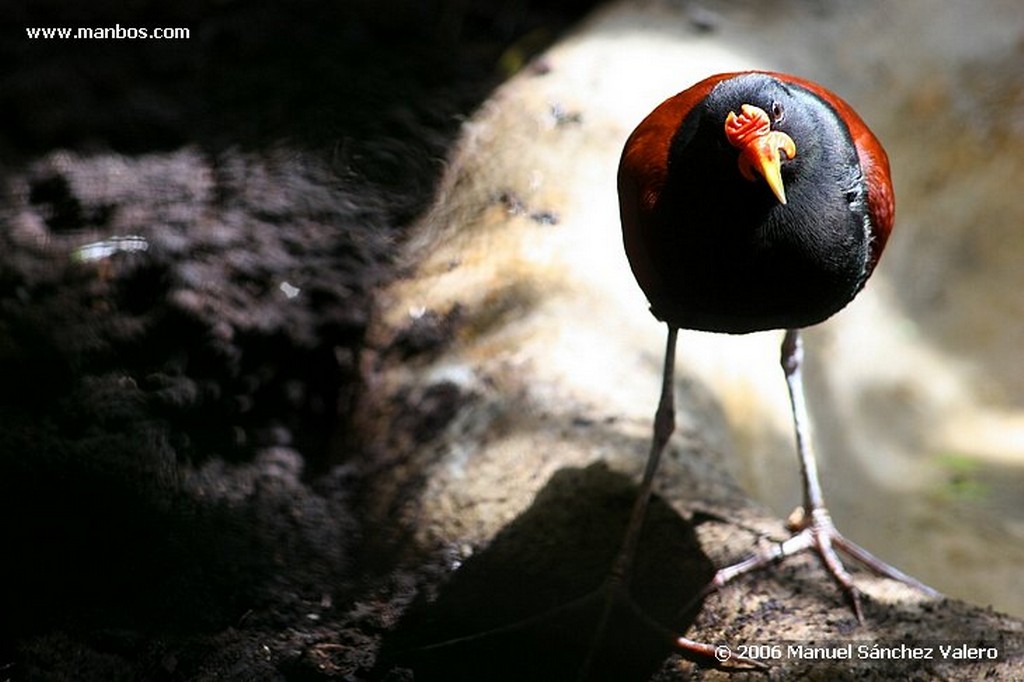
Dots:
{"x": 755, "y": 201}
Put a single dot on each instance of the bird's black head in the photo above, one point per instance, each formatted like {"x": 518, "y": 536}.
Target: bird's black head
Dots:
{"x": 765, "y": 142}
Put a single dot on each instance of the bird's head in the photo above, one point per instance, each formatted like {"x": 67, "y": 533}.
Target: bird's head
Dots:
{"x": 761, "y": 148}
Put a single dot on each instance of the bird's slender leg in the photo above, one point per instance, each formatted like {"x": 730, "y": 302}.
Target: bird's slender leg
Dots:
{"x": 618, "y": 587}
{"x": 814, "y": 529}
{"x": 664, "y": 426}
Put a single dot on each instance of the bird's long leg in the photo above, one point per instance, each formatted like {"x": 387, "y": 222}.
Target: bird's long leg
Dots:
{"x": 664, "y": 426}
{"x": 814, "y": 529}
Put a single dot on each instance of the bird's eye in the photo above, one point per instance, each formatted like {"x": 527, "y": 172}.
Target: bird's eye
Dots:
{"x": 778, "y": 113}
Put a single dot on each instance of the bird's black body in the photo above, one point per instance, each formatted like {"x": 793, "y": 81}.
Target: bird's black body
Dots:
{"x": 730, "y": 257}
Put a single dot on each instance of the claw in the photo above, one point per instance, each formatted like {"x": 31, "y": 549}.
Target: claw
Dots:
{"x": 816, "y": 532}
{"x": 723, "y": 657}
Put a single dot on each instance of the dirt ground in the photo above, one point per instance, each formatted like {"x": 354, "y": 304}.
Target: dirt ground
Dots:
{"x": 192, "y": 234}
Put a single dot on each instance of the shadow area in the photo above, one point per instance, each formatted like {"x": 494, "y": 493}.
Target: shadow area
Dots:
{"x": 530, "y": 605}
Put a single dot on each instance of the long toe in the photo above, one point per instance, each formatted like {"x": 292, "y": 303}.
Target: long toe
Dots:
{"x": 816, "y": 532}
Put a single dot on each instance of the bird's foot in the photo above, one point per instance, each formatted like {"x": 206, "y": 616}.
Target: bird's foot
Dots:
{"x": 815, "y": 531}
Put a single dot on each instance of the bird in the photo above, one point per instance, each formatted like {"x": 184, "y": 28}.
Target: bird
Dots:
{"x": 755, "y": 201}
